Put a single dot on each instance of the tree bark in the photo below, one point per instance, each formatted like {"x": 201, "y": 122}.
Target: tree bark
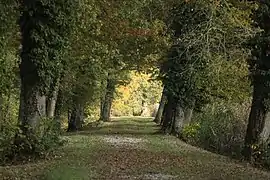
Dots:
{"x": 1, "y": 106}
{"x": 101, "y": 105}
{"x": 265, "y": 134}
{"x": 33, "y": 107}
{"x": 51, "y": 102}
{"x": 188, "y": 112}
{"x": 102, "y": 97}
{"x": 2, "y": 120}
{"x": 256, "y": 122}
{"x": 108, "y": 100}
{"x": 58, "y": 109}
{"x": 76, "y": 118}
{"x": 160, "y": 108}
{"x": 168, "y": 116}
{"x": 145, "y": 110}
{"x": 32, "y": 101}
{"x": 188, "y": 115}
{"x": 178, "y": 121}
{"x": 21, "y": 106}
{"x": 175, "y": 117}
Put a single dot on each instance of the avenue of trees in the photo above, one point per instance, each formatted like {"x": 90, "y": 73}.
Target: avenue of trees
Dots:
{"x": 67, "y": 60}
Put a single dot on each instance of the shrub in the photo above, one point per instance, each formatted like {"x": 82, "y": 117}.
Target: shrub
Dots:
{"x": 190, "y": 133}
{"x": 7, "y": 141}
{"x": 48, "y": 136}
{"x": 261, "y": 155}
{"x": 92, "y": 113}
{"x": 15, "y": 146}
{"x": 219, "y": 128}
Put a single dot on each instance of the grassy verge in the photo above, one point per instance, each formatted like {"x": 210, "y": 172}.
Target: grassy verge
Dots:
{"x": 87, "y": 156}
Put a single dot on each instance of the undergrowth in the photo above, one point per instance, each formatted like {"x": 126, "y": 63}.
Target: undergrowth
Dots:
{"x": 16, "y": 146}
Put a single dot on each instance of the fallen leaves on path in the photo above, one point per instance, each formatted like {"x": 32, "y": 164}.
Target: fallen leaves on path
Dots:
{"x": 136, "y": 164}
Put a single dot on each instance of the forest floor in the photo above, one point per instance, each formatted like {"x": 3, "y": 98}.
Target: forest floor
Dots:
{"x": 130, "y": 148}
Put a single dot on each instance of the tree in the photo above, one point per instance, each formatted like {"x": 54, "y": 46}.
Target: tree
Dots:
{"x": 204, "y": 35}
{"x": 161, "y": 107}
{"x": 106, "y": 103}
{"x": 258, "y": 130}
{"x": 44, "y": 32}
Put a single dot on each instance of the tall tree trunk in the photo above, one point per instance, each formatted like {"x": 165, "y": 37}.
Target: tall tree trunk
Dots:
{"x": 101, "y": 105}
{"x": 1, "y": 106}
{"x": 175, "y": 117}
{"x": 2, "y": 120}
{"x": 160, "y": 108}
{"x": 76, "y": 118}
{"x": 188, "y": 115}
{"x": 102, "y": 97}
{"x": 145, "y": 110}
{"x": 168, "y": 116}
{"x": 58, "y": 109}
{"x": 265, "y": 134}
{"x": 181, "y": 120}
{"x": 32, "y": 101}
{"x": 52, "y": 99}
{"x": 21, "y": 106}
{"x": 257, "y": 120}
{"x": 33, "y": 107}
{"x": 178, "y": 120}
{"x": 108, "y": 100}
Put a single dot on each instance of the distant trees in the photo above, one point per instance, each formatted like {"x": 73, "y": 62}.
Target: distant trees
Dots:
{"x": 137, "y": 96}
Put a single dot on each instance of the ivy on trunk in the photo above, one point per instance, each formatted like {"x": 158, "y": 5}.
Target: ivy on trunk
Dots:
{"x": 44, "y": 34}
{"x": 257, "y": 131}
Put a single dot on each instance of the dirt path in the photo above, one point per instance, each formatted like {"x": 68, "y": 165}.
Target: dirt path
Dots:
{"x": 129, "y": 149}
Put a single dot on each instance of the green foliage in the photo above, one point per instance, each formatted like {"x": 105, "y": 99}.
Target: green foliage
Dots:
{"x": 259, "y": 45}
{"x": 190, "y": 133}
{"x": 16, "y": 146}
{"x": 261, "y": 155}
{"x": 219, "y": 128}
{"x": 48, "y": 136}
{"x": 45, "y": 26}
{"x": 9, "y": 43}
{"x": 130, "y": 99}
{"x": 207, "y": 36}
{"x": 110, "y": 38}
{"x": 84, "y": 43}
{"x": 8, "y": 124}
{"x": 7, "y": 142}
{"x": 259, "y": 72}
